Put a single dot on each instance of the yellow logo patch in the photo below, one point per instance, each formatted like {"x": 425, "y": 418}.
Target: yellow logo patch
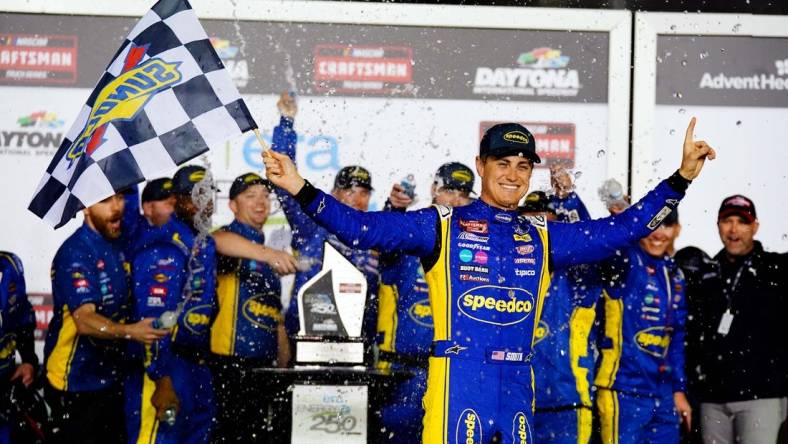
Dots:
{"x": 516, "y": 137}
{"x": 124, "y": 97}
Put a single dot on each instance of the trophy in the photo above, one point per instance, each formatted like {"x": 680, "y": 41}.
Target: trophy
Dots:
{"x": 331, "y": 313}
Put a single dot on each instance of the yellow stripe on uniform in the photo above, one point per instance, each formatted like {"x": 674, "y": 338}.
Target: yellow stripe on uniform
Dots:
{"x": 148, "y": 423}
{"x": 580, "y": 324}
{"x": 59, "y": 362}
{"x": 544, "y": 281}
{"x": 223, "y": 328}
{"x": 436, "y": 399}
{"x": 387, "y": 320}
{"x": 611, "y": 357}
{"x": 607, "y": 404}
{"x": 584, "y": 423}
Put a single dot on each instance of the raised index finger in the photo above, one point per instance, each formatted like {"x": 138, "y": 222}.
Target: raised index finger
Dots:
{"x": 690, "y": 131}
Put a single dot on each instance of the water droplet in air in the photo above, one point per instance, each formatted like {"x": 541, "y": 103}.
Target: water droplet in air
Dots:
{"x": 600, "y": 153}
{"x": 682, "y": 110}
{"x": 672, "y": 132}
{"x": 683, "y": 63}
{"x": 703, "y": 55}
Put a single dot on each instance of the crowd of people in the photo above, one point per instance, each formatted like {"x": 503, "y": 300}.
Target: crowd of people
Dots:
{"x": 515, "y": 316}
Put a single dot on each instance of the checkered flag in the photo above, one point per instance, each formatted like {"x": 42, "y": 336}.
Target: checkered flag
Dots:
{"x": 165, "y": 98}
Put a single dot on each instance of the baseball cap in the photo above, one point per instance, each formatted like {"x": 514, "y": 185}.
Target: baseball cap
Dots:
{"x": 737, "y": 205}
{"x": 536, "y": 202}
{"x": 508, "y": 139}
{"x": 244, "y": 181}
{"x": 184, "y": 179}
{"x": 157, "y": 189}
{"x": 353, "y": 175}
{"x": 455, "y": 176}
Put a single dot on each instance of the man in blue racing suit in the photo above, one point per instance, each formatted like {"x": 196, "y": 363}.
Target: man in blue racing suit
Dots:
{"x": 404, "y": 318}
{"x": 563, "y": 362}
{"x": 17, "y": 324}
{"x": 173, "y": 372}
{"x": 480, "y": 381}
{"x": 352, "y": 186}
{"x": 640, "y": 375}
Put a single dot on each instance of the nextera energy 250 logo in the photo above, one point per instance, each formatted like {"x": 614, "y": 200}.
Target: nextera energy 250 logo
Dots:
{"x": 540, "y": 72}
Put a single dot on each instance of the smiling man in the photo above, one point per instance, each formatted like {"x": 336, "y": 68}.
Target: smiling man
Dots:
{"x": 485, "y": 304}
{"x": 739, "y": 333}
{"x": 640, "y": 376}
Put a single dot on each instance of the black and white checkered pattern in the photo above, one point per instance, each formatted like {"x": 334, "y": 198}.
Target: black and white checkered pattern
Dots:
{"x": 202, "y": 110}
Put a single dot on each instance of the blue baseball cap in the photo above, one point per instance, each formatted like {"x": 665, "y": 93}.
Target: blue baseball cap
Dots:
{"x": 157, "y": 189}
{"x": 509, "y": 139}
{"x": 455, "y": 176}
{"x": 184, "y": 179}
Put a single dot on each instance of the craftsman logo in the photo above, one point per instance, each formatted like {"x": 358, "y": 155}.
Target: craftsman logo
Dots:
{"x": 421, "y": 313}
{"x": 38, "y": 59}
{"x": 363, "y": 69}
{"x": 122, "y": 99}
{"x": 555, "y": 141}
{"x": 653, "y": 340}
{"x": 541, "y": 72}
{"x": 469, "y": 428}
{"x": 496, "y": 305}
{"x": 521, "y": 431}
{"x": 474, "y": 226}
{"x": 517, "y": 137}
{"x": 260, "y": 314}
{"x": 542, "y": 331}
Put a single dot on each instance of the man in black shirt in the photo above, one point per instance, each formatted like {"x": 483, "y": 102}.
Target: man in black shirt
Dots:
{"x": 740, "y": 365}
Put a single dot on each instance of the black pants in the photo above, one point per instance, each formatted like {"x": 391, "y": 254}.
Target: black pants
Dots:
{"x": 86, "y": 417}
{"x": 248, "y": 406}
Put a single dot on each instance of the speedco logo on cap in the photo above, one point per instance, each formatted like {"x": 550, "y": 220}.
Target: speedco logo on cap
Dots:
{"x": 461, "y": 175}
{"x": 469, "y": 428}
{"x": 496, "y": 305}
{"x": 516, "y": 136}
{"x": 653, "y": 340}
{"x": 521, "y": 431}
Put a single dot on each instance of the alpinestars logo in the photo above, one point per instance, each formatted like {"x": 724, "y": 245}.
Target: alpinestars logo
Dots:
{"x": 540, "y": 72}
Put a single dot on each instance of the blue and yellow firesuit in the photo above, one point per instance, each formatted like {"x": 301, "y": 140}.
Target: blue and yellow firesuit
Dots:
{"x": 642, "y": 349}
{"x": 308, "y": 240}
{"x": 160, "y": 261}
{"x": 563, "y": 362}
{"x": 249, "y": 305}
{"x": 485, "y": 303}
{"x": 17, "y": 323}
{"x": 405, "y": 333}
{"x": 87, "y": 269}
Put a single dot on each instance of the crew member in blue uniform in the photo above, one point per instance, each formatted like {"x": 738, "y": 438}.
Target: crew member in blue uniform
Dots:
{"x": 480, "y": 381}
{"x": 563, "y": 362}
{"x": 640, "y": 375}
{"x": 404, "y": 318}
{"x": 171, "y": 274}
{"x": 249, "y": 329}
{"x": 17, "y": 324}
{"x": 352, "y": 186}
{"x": 83, "y": 356}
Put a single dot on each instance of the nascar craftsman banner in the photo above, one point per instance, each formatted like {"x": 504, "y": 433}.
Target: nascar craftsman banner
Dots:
{"x": 164, "y": 99}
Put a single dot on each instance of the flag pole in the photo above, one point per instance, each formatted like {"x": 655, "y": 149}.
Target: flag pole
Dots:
{"x": 264, "y": 145}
